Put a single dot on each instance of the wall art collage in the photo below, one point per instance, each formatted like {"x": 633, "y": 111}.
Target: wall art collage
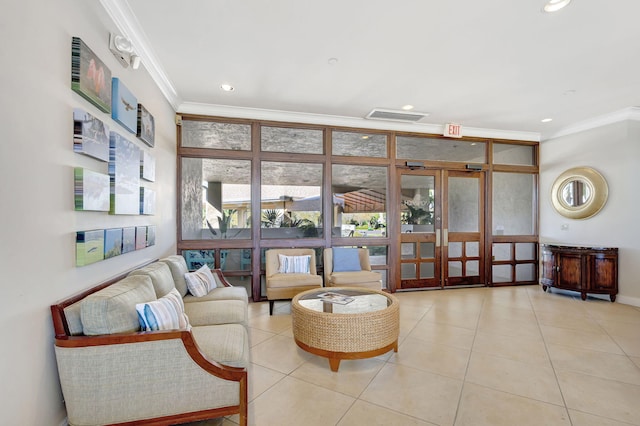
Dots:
{"x": 124, "y": 189}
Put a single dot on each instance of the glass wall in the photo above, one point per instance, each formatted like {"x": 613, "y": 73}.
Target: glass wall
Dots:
{"x": 359, "y": 201}
{"x": 291, "y": 200}
{"x": 216, "y": 199}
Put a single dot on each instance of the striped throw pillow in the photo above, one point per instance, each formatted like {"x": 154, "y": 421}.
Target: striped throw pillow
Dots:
{"x": 166, "y": 313}
{"x": 200, "y": 282}
{"x": 294, "y": 264}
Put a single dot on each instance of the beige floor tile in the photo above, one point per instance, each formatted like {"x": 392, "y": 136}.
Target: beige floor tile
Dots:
{"x": 602, "y": 397}
{"x": 585, "y": 419}
{"x": 443, "y": 334}
{"x": 522, "y": 348}
{"x": 295, "y": 402}
{"x": 440, "y": 359}
{"x": 258, "y": 308}
{"x": 261, "y": 379}
{"x": 508, "y": 313}
{"x": 595, "y": 363}
{"x": 365, "y": 414}
{"x": 607, "y": 311}
{"x": 279, "y": 353}
{"x": 457, "y": 318}
{"x": 508, "y": 327}
{"x": 596, "y": 340}
{"x": 571, "y": 321}
{"x": 630, "y": 346}
{"x": 481, "y": 406}
{"x": 258, "y": 336}
{"x": 621, "y": 328}
{"x": 419, "y": 394}
{"x": 536, "y": 381}
{"x": 636, "y": 360}
{"x": 272, "y": 323}
{"x": 351, "y": 379}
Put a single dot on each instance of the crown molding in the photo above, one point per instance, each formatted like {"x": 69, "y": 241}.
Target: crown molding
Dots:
{"x": 341, "y": 121}
{"x": 631, "y": 113}
{"x": 121, "y": 14}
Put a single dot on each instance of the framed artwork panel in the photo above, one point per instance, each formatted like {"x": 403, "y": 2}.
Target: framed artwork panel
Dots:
{"x": 124, "y": 106}
{"x": 91, "y": 190}
{"x": 90, "y": 77}
{"x": 90, "y": 135}
{"x": 89, "y": 247}
{"x": 124, "y": 171}
{"x": 147, "y": 166}
{"x": 147, "y": 201}
{"x": 141, "y": 237}
{"x": 128, "y": 239}
{"x": 146, "y": 126}
{"x": 151, "y": 235}
{"x": 112, "y": 242}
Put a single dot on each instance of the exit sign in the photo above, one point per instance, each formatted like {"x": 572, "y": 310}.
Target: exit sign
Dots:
{"x": 453, "y": 130}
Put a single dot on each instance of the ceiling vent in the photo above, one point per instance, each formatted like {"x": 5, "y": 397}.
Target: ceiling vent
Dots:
{"x": 395, "y": 115}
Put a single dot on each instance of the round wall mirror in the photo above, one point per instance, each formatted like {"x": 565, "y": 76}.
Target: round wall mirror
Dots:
{"x": 579, "y": 193}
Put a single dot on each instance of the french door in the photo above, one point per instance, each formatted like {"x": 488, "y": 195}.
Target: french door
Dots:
{"x": 442, "y": 228}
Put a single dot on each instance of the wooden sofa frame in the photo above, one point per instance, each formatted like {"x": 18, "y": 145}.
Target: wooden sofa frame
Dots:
{"x": 63, "y": 338}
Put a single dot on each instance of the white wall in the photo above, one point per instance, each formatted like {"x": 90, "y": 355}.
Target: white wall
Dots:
{"x": 613, "y": 150}
{"x": 37, "y": 215}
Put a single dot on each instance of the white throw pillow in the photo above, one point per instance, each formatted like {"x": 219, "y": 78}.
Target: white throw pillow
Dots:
{"x": 200, "y": 282}
{"x": 294, "y": 264}
{"x": 166, "y": 313}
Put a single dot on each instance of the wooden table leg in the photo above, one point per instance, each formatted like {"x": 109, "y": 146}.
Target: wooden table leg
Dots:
{"x": 334, "y": 363}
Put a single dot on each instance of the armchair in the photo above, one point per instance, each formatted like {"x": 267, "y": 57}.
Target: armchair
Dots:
{"x": 284, "y": 285}
{"x": 354, "y": 269}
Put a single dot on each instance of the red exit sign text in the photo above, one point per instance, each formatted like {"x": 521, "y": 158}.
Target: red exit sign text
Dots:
{"x": 453, "y": 130}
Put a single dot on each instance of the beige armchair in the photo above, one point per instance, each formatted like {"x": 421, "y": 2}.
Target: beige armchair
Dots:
{"x": 353, "y": 277}
{"x": 285, "y": 285}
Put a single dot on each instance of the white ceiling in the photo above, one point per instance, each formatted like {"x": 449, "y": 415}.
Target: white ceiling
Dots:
{"x": 496, "y": 64}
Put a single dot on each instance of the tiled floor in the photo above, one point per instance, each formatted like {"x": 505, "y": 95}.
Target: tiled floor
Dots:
{"x": 467, "y": 357}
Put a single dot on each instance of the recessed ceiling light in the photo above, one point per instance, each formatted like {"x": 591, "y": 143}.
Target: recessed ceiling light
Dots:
{"x": 546, "y": 120}
{"x": 332, "y": 61}
{"x": 365, "y": 136}
{"x": 555, "y": 5}
{"x": 227, "y": 87}
{"x": 407, "y": 107}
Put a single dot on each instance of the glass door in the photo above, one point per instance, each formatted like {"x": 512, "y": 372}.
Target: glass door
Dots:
{"x": 442, "y": 223}
{"x": 420, "y": 261}
{"x": 463, "y": 228}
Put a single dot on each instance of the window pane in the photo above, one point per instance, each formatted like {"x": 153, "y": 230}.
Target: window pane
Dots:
{"x": 525, "y": 251}
{"x": 291, "y": 200}
{"x": 502, "y": 251}
{"x": 408, "y": 271}
{"x": 196, "y": 259}
{"x": 464, "y": 204}
{"x": 502, "y": 274}
{"x": 513, "y": 154}
{"x": 513, "y": 210}
{"x": 207, "y": 134}
{"x": 377, "y": 255}
{"x": 216, "y": 199}
{"x": 359, "y": 144}
{"x": 359, "y": 201}
{"x": 415, "y": 148}
{"x": 525, "y": 272}
{"x": 417, "y": 204}
{"x": 305, "y": 141}
{"x": 235, "y": 259}
{"x": 427, "y": 250}
{"x": 427, "y": 270}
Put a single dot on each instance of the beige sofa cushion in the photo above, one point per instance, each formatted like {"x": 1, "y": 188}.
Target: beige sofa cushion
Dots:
{"x": 346, "y": 278}
{"x": 220, "y": 293}
{"x": 294, "y": 280}
{"x": 216, "y": 312}
{"x": 178, "y": 267}
{"x": 227, "y": 344}
{"x": 113, "y": 309}
{"x": 160, "y": 275}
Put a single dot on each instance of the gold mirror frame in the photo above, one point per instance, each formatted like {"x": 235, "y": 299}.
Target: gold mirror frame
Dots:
{"x": 599, "y": 191}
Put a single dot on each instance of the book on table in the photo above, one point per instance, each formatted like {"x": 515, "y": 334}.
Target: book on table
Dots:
{"x": 333, "y": 297}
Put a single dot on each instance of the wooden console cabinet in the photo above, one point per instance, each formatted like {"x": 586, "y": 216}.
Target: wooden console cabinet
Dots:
{"x": 583, "y": 269}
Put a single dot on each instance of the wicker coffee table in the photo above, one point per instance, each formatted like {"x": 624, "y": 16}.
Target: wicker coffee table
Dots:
{"x": 367, "y": 325}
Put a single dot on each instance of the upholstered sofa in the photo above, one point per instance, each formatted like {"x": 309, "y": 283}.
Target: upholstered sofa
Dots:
{"x": 113, "y": 372}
